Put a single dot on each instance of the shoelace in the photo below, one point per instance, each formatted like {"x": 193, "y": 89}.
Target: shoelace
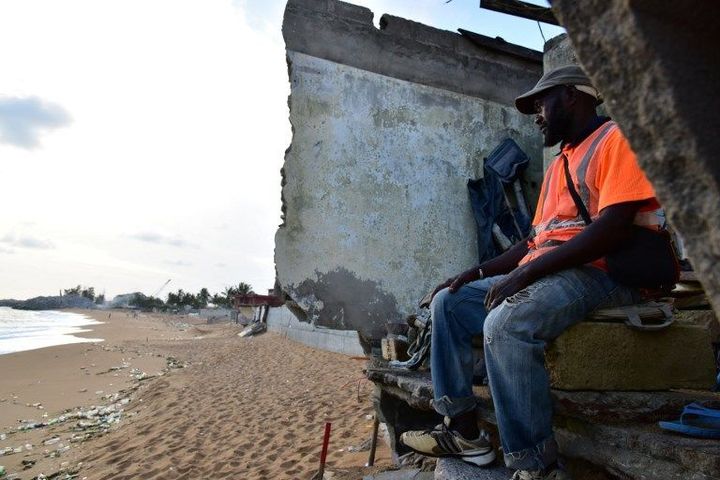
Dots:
{"x": 445, "y": 439}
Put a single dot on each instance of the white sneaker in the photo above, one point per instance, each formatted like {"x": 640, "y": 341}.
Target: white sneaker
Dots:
{"x": 443, "y": 442}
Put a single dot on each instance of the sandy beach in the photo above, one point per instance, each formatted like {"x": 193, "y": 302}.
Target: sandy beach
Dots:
{"x": 169, "y": 397}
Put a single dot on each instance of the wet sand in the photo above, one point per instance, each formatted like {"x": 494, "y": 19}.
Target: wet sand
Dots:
{"x": 186, "y": 400}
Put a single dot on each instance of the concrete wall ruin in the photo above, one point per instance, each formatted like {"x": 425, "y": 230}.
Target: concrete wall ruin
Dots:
{"x": 388, "y": 126}
{"x": 657, "y": 64}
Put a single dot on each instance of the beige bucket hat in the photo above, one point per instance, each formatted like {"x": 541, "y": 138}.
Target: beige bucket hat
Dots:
{"x": 567, "y": 75}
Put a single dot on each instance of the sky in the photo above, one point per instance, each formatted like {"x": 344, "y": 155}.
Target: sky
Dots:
{"x": 142, "y": 140}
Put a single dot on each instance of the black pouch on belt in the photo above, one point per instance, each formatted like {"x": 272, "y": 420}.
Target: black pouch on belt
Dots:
{"x": 646, "y": 260}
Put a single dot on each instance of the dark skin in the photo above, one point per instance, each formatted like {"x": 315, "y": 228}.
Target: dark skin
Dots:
{"x": 562, "y": 114}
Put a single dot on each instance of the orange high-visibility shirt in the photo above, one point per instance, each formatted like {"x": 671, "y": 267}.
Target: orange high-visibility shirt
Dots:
{"x": 605, "y": 172}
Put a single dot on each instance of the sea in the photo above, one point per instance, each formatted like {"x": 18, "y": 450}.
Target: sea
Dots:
{"x": 28, "y": 330}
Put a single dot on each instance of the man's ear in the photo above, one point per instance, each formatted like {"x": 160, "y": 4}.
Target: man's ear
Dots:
{"x": 569, "y": 95}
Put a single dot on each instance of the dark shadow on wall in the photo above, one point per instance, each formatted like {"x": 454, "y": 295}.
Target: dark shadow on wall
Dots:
{"x": 347, "y": 302}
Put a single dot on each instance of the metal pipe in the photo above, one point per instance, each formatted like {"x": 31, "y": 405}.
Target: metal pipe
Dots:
{"x": 373, "y": 442}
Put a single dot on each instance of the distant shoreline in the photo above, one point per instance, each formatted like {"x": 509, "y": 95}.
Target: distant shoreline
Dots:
{"x": 50, "y": 303}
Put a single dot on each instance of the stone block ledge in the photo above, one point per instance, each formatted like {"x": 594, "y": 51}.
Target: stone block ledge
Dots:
{"x": 614, "y": 431}
{"x": 415, "y": 388}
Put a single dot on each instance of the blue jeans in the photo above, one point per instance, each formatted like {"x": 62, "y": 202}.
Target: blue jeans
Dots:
{"x": 515, "y": 336}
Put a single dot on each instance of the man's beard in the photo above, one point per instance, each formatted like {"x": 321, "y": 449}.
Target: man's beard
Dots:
{"x": 555, "y": 131}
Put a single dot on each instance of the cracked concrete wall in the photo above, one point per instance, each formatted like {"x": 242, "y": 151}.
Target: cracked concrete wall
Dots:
{"x": 658, "y": 65}
{"x": 388, "y": 126}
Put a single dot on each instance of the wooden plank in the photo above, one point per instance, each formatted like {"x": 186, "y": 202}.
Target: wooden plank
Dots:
{"x": 502, "y": 46}
{"x": 521, "y": 9}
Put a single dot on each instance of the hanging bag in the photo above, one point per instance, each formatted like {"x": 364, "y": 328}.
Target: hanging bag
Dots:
{"x": 646, "y": 260}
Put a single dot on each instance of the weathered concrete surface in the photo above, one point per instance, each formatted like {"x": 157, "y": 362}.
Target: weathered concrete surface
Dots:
{"x": 610, "y": 408}
{"x": 413, "y": 387}
{"x": 626, "y": 408}
{"x": 642, "y": 452}
{"x": 375, "y": 202}
{"x": 657, "y": 64}
{"x": 611, "y": 431}
{"x": 404, "y": 474}
{"x": 456, "y": 469}
{"x": 344, "y": 33}
{"x": 282, "y": 321}
{"x": 610, "y": 356}
{"x": 558, "y": 52}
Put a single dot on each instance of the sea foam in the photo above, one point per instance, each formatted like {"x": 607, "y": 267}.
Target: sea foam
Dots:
{"x": 28, "y": 330}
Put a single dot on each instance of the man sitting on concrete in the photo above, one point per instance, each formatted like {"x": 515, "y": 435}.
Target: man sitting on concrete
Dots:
{"x": 533, "y": 292}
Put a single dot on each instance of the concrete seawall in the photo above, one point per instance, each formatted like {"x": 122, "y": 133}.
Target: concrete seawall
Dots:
{"x": 282, "y": 321}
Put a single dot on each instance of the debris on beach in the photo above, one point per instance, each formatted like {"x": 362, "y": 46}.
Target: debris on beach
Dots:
{"x": 62, "y": 474}
{"x": 91, "y": 421}
{"x": 182, "y": 326}
{"x": 253, "y": 329}
{"x": 173, "y": 362}
{"x": 117, "y": 368}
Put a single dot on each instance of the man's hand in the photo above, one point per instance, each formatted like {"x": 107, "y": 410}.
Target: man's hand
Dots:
{"x": 454, "y": 283}
{"x": 515, "y": 281}
{"x": 497, "y": 266}
{"x": 469, "y": 275}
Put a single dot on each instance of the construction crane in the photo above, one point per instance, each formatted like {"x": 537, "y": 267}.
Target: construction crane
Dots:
{"x": 157, "y": 292}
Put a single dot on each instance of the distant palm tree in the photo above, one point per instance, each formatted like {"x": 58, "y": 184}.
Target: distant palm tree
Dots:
{"x": 203, "y": 297}
{"x": 244, "y": 288}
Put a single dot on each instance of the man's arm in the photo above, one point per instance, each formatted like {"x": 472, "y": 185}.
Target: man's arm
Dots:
{"x": 604, "y": 235}
{"x": 503, "y": 263}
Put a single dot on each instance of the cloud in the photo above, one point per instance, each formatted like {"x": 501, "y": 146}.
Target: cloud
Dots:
{"x": 151, "y": 237}
{"x": 24, "y": 119}
{"x": 5, "y": 250}
{"x": 26, "y": 241}
{"x": 178, "y": 263}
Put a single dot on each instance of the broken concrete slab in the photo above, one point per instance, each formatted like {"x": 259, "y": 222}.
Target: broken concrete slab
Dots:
{"x": 624, "y": 408}
{"x": 456, "y": 469}
{"x": 389, "y": 124}
{"x": 345, "y": 34}
{"x": 610, "y": 356}
{"x": 640, "y": 452}
{"x": 404, "y": 474}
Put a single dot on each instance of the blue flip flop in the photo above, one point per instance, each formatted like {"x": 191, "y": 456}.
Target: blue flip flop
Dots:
{"x": 696, "y": 421}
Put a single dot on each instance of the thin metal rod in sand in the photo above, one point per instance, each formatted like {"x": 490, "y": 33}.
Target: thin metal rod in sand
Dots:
{"x": 323, "y": 454}
{"x": 373, "y": 442}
